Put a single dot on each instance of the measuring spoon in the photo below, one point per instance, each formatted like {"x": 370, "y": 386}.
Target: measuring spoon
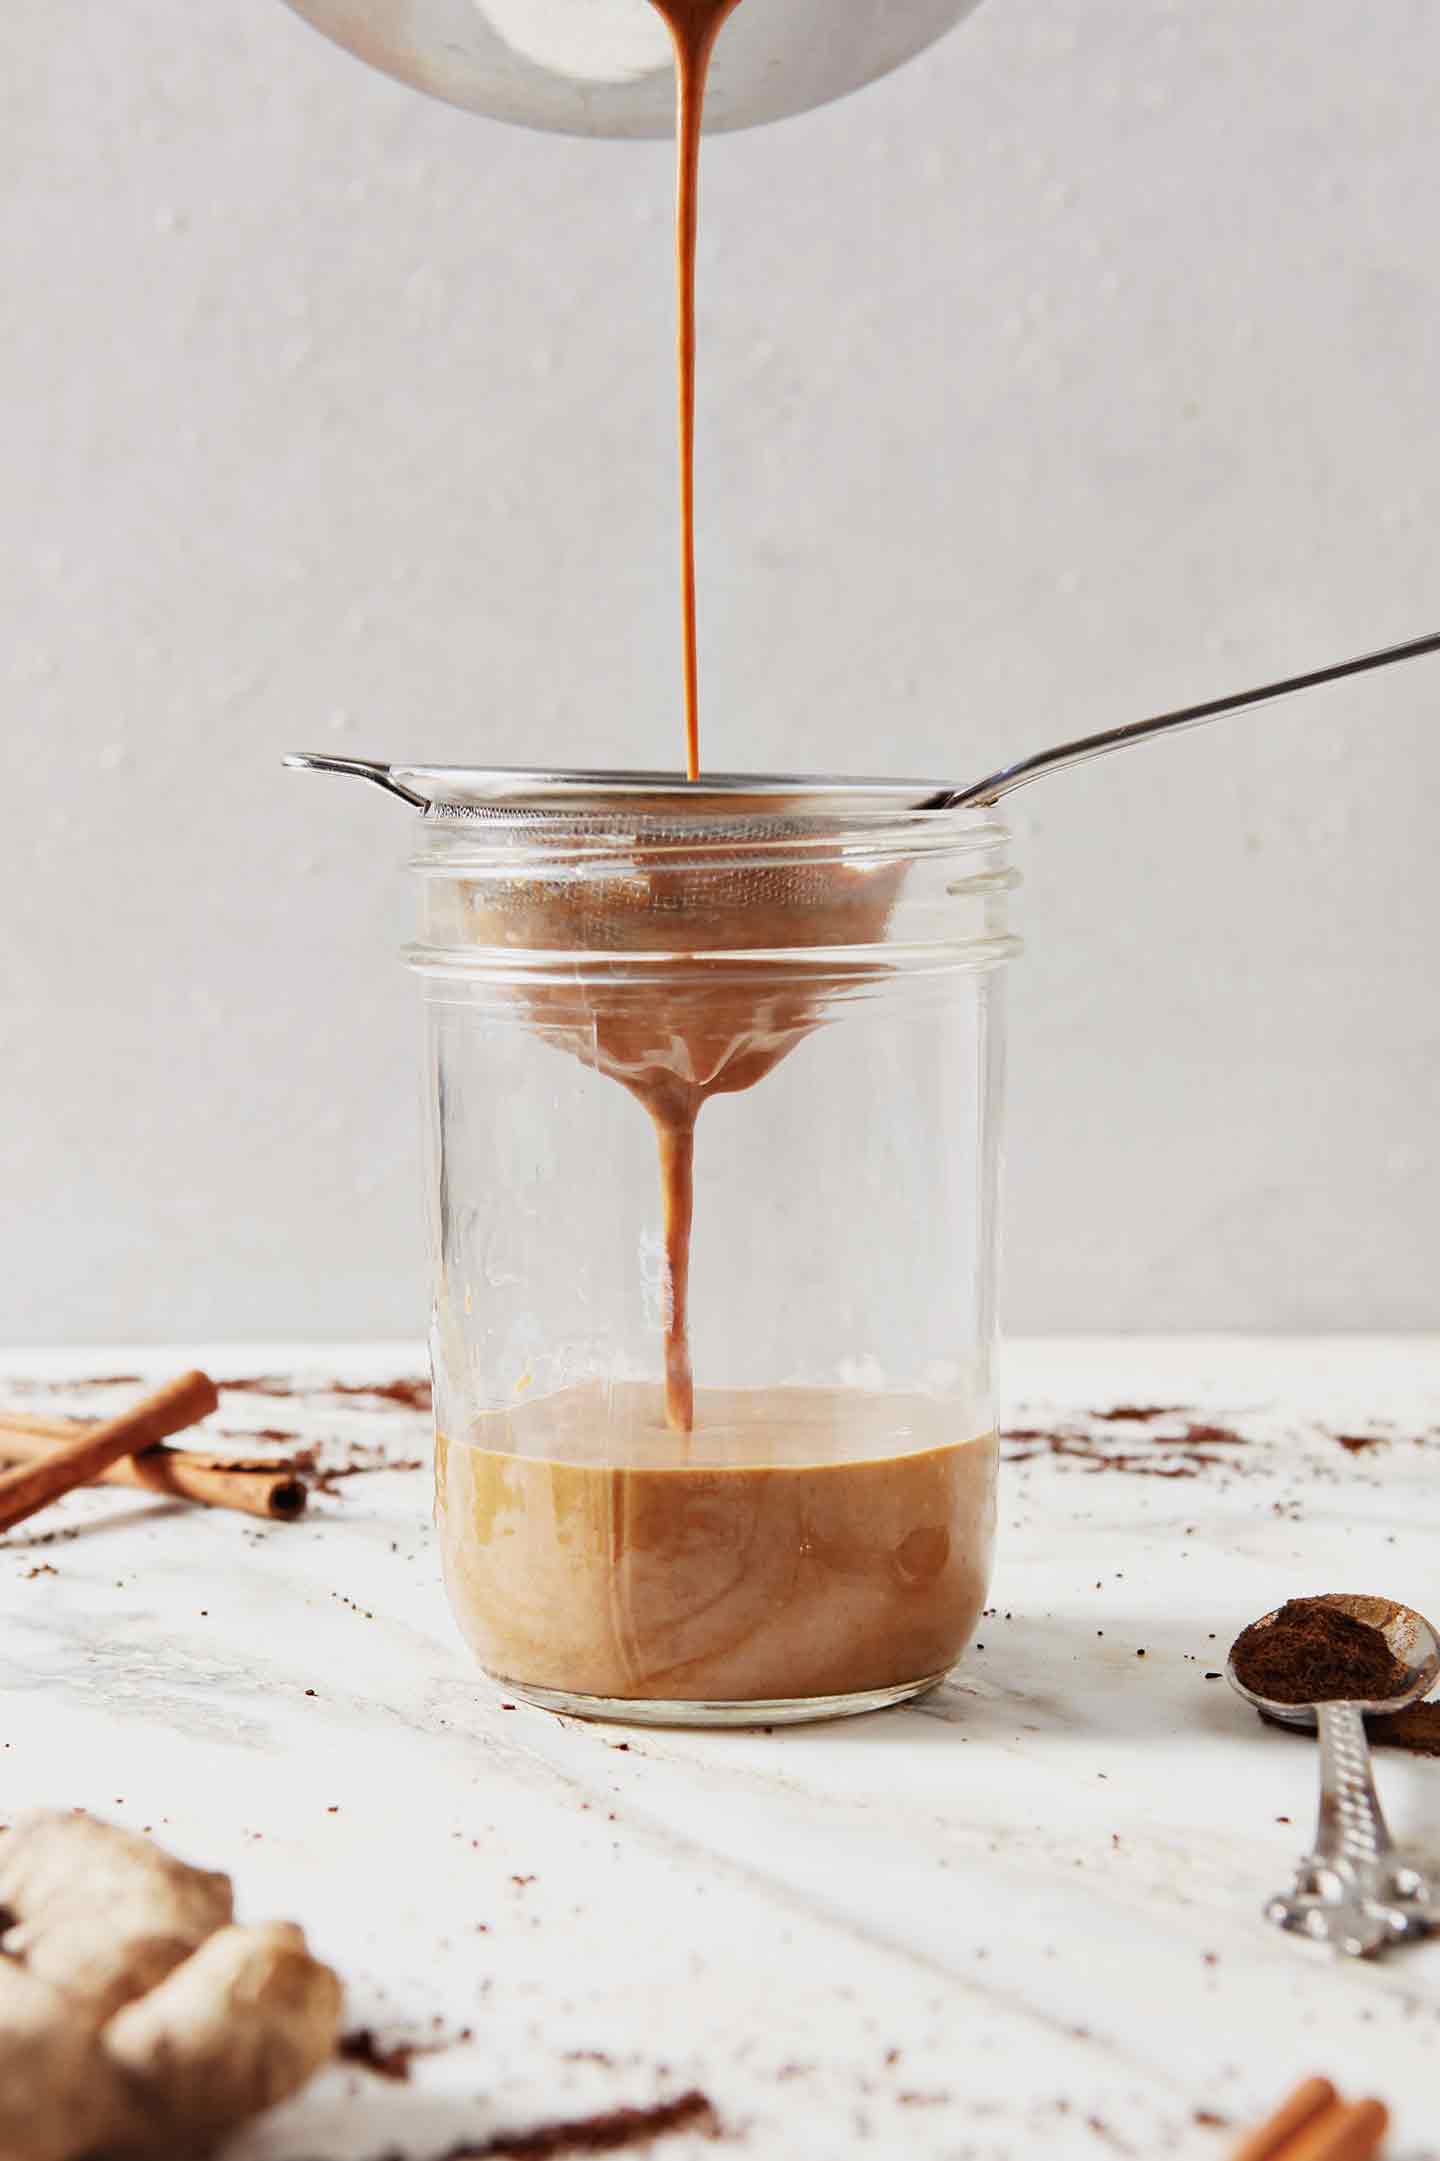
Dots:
{"x": 1350, "y": 1892}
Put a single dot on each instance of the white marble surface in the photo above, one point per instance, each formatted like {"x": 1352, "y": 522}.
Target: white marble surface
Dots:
{"x": 1041, "y": 1887}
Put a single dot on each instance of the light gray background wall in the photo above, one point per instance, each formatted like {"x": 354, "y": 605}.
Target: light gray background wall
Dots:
{"x": 1088, "y": 365}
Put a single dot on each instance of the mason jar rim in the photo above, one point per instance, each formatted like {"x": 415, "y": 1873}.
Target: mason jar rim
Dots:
{"x": 548, "y": 824}
{"x": 582, "y": 969}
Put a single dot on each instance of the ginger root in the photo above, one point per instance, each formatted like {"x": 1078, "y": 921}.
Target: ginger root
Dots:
{"x": 101, "y": 1914}
{"x": 135, "y": 2019}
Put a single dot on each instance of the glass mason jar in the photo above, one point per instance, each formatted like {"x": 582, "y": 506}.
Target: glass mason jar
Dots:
{"x": 714, "y": 1090}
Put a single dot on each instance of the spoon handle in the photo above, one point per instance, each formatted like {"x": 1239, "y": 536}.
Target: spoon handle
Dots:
{"x": 1019, "y": 775}
{"x": 1349, "y": 1892}
{"x": 1351, "y": 1828}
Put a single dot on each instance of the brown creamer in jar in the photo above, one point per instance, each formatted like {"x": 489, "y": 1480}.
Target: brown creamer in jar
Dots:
{"x": 812, "y": 1543}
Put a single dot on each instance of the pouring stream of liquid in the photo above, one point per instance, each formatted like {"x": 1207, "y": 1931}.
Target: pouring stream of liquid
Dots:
{"x": 694, "y": 26}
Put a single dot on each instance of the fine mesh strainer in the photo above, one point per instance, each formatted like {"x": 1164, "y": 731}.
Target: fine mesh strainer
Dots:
{"x": 619, "y": 860}
{"x": 733, "y": 863}
{"x": 723, "y": 881}
{"x": 610, "y": 799}
{"x": 507, "y": 792}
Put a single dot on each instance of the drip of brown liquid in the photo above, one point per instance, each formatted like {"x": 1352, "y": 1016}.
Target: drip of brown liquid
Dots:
{"x": 694, "y": 26}
{"x": 719, "y": 1021}
{"x": 675, "y": 1132}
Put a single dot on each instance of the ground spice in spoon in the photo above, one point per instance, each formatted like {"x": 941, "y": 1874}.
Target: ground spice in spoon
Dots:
{"x": 1311, "y": 1652}
{"x": 1416, "y": 1728}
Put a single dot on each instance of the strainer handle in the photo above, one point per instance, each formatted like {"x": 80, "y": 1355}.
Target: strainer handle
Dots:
{"x": 319, "y": 761}
{"x": 982, "y": 793}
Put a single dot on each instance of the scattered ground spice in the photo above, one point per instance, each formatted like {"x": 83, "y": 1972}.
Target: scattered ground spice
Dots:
{"x": 1312, "y": 1652}
{"x": 41, "y": 1568}
{"x": 90, "y": 1380}
{"x": 1200, "y": 1436}
{"x": 1186, "y": 1454}
{"x": 608, "y": 2133}
{"x": 1210, "y": 2120}
{"x": 362, "y": 2047}
{"x": 363, "y": 1611}
{"x": 1138, "y": 1414}
{"x": 1416, "y": 1728}
{"x": 409, "y": 1394}
{"x": 1355, "y": 1444}
{"x": 355, "y": 1462}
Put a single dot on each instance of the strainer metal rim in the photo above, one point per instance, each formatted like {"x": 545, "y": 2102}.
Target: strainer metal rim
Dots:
{"x": 463, "y": 791}
{"x": 661, "y": 793}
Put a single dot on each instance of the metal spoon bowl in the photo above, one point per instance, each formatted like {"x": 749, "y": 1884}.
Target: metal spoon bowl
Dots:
{"x": 1350, "y": 1892}
{"x": 1413, "y": 1643}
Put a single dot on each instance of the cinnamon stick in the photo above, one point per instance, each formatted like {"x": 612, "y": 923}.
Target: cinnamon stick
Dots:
{"x": 272, "y": 1486}
{"x": 1314, "y": 2124}
{"x": 1271, "y": 2140}
{"x": 1349, "y": 2132}
{"x": 180, "y": 1403}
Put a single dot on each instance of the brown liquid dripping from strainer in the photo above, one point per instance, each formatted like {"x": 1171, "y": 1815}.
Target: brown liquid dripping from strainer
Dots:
{"x": 721, "y": 1012}
{"x": 675, "y": 1133}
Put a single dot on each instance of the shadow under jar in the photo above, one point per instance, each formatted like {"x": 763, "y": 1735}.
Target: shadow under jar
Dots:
{"x": 712, "y": 1166}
